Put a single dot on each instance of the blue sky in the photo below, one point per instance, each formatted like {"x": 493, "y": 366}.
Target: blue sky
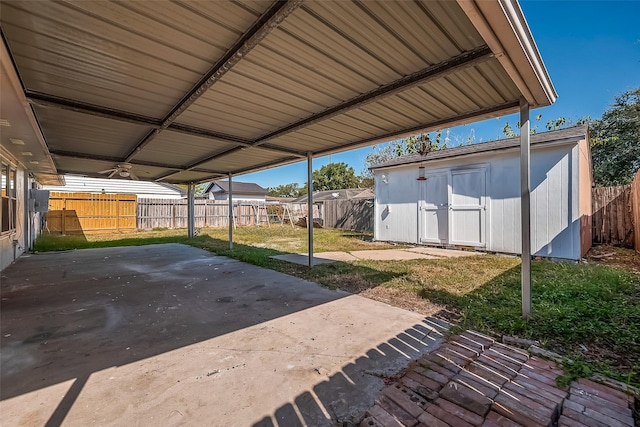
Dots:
{"x": 591, "y": 50}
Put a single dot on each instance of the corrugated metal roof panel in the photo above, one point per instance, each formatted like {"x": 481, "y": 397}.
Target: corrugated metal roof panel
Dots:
{"x": 192, "y": 148}
{"x": 188, "y": 176}
{"x": 241, "y": 159}
{"x": 83, "y": 133}
{"x": 68, "y": 165}
{"x": 74, "y": 39}
{"x": 317, "y": 76}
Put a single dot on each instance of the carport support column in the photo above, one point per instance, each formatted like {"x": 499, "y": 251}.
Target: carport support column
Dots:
{"x": 191, "y": 219}
{"x": 310, "y": 205}
{"x": 525, "y": 206}
{"x": 230, "y": 214}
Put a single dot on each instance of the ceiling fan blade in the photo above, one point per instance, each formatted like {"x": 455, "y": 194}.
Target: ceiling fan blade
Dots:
{"x": 107, "y": 170}
{"x": 133, "y": 176}
{"x": 112, "y": 173}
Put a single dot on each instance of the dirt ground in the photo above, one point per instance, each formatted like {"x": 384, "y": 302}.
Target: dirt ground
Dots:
{"x": 615, "y": 256}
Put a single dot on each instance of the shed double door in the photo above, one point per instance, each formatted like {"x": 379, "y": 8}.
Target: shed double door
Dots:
{"x": 453, "y": 208}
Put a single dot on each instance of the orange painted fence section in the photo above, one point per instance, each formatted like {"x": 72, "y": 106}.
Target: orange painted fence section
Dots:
{"x": 91, "y": 213}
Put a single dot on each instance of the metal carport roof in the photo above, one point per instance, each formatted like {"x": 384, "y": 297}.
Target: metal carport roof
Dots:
{"x": 193, "y": 91}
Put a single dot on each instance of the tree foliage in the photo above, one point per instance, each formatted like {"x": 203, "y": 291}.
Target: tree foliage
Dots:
{"x": 615, "y": 141}
{"x": 287, "y": 190}
{"x": 335, "y": 176}
{"x": 553, "y": 124}
{"x": 199, "y": 188}
{"x": 401, "y": 147}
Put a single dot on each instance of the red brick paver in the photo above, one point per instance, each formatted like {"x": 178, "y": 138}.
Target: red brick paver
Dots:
{"x": 474, "y": 381}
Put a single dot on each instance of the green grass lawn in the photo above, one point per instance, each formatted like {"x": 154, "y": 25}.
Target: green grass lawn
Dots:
{"x": 575, "y": 306}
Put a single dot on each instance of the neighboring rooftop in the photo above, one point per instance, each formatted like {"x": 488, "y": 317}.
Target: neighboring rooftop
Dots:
{"x": 246, "y": 188}
{"x": 81, "y": 184}
{"x": 572, "y": 134}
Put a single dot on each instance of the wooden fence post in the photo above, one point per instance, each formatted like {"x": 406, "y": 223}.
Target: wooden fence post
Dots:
{"x": 117, "y": 214}
{"x": 64, "y": 212}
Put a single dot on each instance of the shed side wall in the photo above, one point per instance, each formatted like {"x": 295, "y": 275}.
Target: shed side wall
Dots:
{"x": 584, "y": 191}
{"x": 555, "y": 213}
{"x": 396, "y": 205}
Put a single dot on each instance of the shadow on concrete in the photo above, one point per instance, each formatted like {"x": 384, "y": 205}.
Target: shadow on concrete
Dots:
{"x": 344, "y": 397}
{"x": 67, "y": 315}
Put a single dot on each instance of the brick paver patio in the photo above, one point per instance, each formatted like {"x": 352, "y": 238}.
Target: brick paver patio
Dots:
{"x": 472, "y": 380}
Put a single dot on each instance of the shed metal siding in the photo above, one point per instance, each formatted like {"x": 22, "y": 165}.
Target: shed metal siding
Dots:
{"x": 555, "y": 207}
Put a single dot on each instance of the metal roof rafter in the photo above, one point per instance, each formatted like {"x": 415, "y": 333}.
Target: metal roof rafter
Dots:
{"x": 268, "y": 21}
{"x": 113, "y": 159}
{"x": 437, "y": 124}
{"x": 52, "y": 101}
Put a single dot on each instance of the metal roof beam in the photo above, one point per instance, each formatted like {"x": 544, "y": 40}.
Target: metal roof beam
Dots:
{"x": 232, "y": 150}
{"x": 437, "y": 124}
{"x": 113, "y": 159}
{"x": 268, "y": 21}
{"x": 51, "y": 101}
{"x": 464, "y": 60}
{"x": 241, "y": 142}
{"x": 255, "y": 168}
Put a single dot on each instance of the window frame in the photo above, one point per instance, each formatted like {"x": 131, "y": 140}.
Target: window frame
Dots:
{"x": 8, "y": 197}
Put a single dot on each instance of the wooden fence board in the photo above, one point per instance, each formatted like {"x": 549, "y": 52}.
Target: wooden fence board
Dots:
{"x": 349, "y": 214}
{"x": 634, "y": 201}
{"x": 612, "y": 213}
{"x": 95, "y": 213}
{"x": 91, "y": 213}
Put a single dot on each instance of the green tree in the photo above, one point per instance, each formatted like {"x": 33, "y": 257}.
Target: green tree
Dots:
{"x": 334, "y": 176}
{"x": 199, "y": 188}
{"x": 421, "y": 143}
{"x": 286, "y": 190}
{"x": 556, "y": 124}
{"x": 615, "y": 141}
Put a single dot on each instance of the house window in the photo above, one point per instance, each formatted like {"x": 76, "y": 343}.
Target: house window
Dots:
{"x": 8, "y": 199}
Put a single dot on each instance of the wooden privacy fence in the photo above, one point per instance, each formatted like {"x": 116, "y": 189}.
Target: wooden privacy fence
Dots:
{"x": 104, "y": 213}
{"x": 91, "y": 213}
{"x": 635, "y": 209}
{"x": 172, "y": 213}
{"x": 612, "y": 215}
{"x": 349, "y": 214}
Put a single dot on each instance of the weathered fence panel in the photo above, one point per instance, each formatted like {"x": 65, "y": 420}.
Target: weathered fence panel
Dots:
{"x": 172, "y": 213}
{"x": 91, "y": 213}
{"x": 349, "y": 214}
{"x": 612, "y": 215}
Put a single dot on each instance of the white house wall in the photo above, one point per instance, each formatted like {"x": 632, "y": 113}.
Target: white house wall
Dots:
{"x": 21, "y": 235}
{"x": 555, "y": 228}
{"x": 143, "y": 189}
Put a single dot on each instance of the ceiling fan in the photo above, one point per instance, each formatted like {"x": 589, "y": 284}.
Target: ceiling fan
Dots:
{"x": 122, "y": 170}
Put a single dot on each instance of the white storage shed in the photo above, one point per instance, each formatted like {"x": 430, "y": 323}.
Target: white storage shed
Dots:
{"x": 469, "y": 196}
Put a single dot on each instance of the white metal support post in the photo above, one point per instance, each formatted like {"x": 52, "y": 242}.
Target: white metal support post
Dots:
{"x": 230, "y": 214}
{"x": 310, "y": 205}
{"x": 191, "y": 219}
{"x": 525, "y": 206}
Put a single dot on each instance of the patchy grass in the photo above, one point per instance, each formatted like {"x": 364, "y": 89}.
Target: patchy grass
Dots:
{"x": 591, "y": 313}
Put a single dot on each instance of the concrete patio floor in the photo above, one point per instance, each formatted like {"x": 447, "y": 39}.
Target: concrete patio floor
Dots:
{"x": 405, "y": 254}
{"x": 170, "y": 334}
